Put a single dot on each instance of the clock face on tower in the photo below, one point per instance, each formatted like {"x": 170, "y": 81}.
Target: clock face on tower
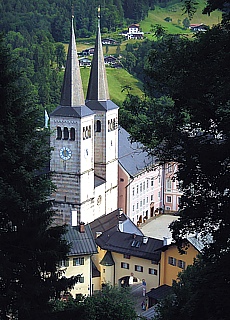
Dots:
{"x": 65, "y": 153}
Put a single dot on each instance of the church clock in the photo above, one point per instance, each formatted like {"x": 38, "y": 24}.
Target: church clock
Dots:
{"x": 65, "y": 153}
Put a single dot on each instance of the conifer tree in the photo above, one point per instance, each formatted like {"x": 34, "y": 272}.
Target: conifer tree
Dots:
{"x": 29, "y": 247}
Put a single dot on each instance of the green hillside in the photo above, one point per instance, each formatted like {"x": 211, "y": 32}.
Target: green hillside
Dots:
{"x": 117, "y": 80}
{"x": 174, "y": 11}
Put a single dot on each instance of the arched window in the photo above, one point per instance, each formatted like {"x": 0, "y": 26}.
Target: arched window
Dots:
{"x": 72, "y": 134}
{"x": 59, "y": 133}
{"x": 66, "y": 133}
{"x": 98, "y": 126}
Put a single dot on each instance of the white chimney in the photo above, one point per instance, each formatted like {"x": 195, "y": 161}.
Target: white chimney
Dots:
{"x": 145, "y": 240}
{"x": 74, "y": 218}
{"x": 120, "y": 226}
{"x": 166, "y": 241}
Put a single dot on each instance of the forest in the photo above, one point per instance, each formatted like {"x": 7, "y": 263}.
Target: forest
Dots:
{"x": 36, "y": 31}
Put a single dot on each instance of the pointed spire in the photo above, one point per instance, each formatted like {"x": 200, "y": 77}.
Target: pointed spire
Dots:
{"x": 98, "y": 86}
{"x": 72, "y": 92}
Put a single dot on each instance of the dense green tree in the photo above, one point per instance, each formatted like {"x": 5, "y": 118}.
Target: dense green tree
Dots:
{"x": 30, "y": 248}
{"x": 110, "y": 303}
{"x": 185, "y": 118}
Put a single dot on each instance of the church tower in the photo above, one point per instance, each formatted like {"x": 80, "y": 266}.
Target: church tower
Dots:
{"x": 72, "y": 143}
{"x": 106, "y": 125}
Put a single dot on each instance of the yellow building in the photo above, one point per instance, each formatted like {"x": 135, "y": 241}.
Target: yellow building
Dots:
{"x": 127, "y": 258}
{"x": 172, "y": 261}
{"x": 79, "y": 262}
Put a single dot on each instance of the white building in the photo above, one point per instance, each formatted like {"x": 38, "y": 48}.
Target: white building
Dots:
{"x": 84, "y": 142}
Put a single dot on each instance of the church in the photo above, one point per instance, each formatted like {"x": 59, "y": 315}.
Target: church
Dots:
{"x": 84, "y": 143}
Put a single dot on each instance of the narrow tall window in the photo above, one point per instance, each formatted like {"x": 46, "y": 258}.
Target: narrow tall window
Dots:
{"x": 89, "y": 132}
{"x": 66, "y": 133}
{"x": 98, "y": 126}
{"x": 59, "y": 133}
{"x": 72, "y": 134}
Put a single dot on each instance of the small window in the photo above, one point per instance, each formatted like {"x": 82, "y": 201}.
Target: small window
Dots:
{"x": 152, "y": 182}
{"x": 181, "y": 264}
{"x": 98, "y": 126}
{"x": 124, "y": 265}
{"x": 138, "y": 268}
{"x": 66, "y": 133}
{"x": 59, "y": 133}
{"x": 89, "y": 132}
{"x": 126, "y": 256}
{"x": 81, "y": 279}
{"x": 121, "y": 179}
{"x": 64, "y": 263}
{"x": 153, "y": 271}
{"x": 78, "y": 261}
{"x": 72, "y": 134}
{"x": 168, "y": 184}
{"x": 84, "y": 134}
{"x": 172, "y": 261}
{"x": 169, "y": 199}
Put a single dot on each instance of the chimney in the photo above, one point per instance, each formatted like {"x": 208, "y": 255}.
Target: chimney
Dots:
{"x": 167, "y": 241}
{"x": 82, "y": 227}
{"x": 74, "y": 218}
{"x": 145, "y": 240}
{"x": 120, "y": 226}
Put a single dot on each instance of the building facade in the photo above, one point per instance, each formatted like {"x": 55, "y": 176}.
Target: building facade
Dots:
{"x": 84, "y": 142}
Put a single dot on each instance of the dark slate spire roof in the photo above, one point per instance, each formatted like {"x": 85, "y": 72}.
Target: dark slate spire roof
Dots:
{"x": 98, "y": 85}
{"x": 72, "y": 92}
{"x": 72, "y": 96}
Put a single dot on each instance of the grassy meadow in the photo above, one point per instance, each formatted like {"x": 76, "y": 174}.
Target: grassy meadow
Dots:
{"x": 175, "y": 12}
{"x": 117, "y": 79}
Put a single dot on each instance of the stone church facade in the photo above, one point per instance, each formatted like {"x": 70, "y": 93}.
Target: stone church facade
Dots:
{"x": 84, "y": 142}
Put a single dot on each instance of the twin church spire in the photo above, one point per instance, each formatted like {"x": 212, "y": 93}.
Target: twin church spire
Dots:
{"x": 72, "y": 94}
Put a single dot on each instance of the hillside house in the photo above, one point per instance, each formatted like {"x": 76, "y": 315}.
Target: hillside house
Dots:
{"x": 109, "y": 41}
{"x": 87, "y": 52}
{"x": 198, "y": 27}
{"x": 84, "y": 62}
{"x": 134, "y": 32}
